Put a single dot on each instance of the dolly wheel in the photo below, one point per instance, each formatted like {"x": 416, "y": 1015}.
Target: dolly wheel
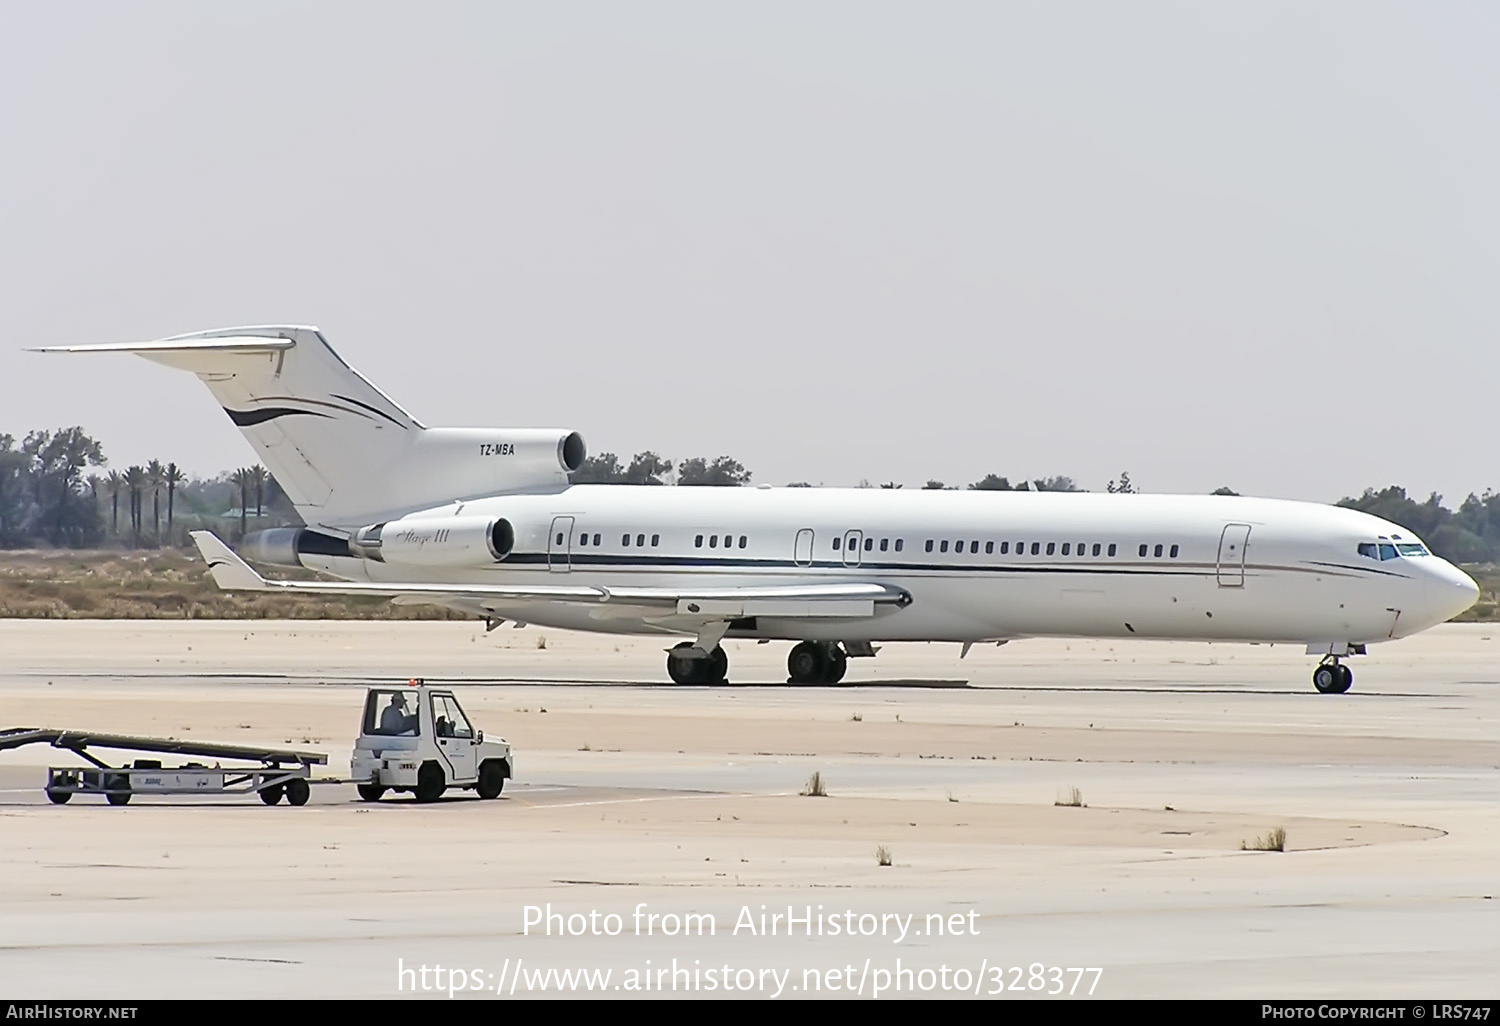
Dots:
{"x": 271, "y": 795}
{"x": 297, "y": 791}
{"x": 119, "y": 790}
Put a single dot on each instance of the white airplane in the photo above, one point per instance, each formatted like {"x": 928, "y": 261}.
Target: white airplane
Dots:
{"x": 483, "y": 520}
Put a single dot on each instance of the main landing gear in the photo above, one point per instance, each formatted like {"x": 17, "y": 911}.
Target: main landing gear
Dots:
{"x": 817, "y": 662}
{"x": 686, "y": 666}
{"x": 1332, "y": 677}
{"x": 811, "y": 662}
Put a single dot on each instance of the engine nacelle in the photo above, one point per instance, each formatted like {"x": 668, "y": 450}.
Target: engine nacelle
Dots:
{"x": 285, "y": 546}
{"x": 436, "y": 541}
{"x": 444, "y": 464}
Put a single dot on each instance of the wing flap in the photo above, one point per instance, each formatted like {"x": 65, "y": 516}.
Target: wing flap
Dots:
{"x": 775, "y": 607}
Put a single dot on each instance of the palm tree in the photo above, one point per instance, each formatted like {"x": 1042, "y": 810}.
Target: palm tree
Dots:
{"x": 241, "y": 477}
{"x": 173, "y": 477}
{"x": 135, "y": 480}
{"x": 155, "y": 478}
{"x": 258, "y": 479}
{"x": 93, "y": 483}
{"x": 116, "y": 486}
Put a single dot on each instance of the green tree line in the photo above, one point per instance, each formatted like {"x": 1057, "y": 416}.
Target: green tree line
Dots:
{"x": 55, "y": 490}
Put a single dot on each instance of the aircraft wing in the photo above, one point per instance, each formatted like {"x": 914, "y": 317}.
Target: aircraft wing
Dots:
{"x": 232, "y": 573}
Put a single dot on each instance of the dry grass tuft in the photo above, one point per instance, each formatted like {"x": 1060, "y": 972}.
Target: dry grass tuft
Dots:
{"x": 1273, "y": 841}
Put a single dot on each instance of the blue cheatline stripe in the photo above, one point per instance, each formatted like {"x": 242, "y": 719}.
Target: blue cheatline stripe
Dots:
{"x": 633, "y": 562}
{"x": 1362, "y": 569}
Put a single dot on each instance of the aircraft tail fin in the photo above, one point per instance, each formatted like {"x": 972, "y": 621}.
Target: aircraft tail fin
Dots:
{"x": 338, "y": 446}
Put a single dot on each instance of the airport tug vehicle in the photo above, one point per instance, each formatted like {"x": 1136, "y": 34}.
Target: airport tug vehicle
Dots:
{"x": 412, "y": 738}
{"x": 417, "y": 739}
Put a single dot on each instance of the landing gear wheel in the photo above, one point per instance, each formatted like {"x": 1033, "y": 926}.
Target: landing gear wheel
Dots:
{"x": 838, "y": 662}
{"x": 1332, "y": 678}
{"x": 119, "y": 790}
{"x": 297, "y": 791}
{"x": 271, "y": 795}
{"x": 370, "y": 792}
{"x": 683, "y": 669}
{"x": 430, "y": 782}
{"x": 58, "y": 797}
{"x": 718, "y": 662}
{"x": 491, "y": 780}
{"x": 680, "y": 667}
{"x": 808, "y": 663}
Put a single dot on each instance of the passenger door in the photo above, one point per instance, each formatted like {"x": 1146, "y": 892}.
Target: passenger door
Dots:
{"x": 802, "y": 551}
{"x": 560, "y": 545}
{"x": 1232, "y": 545}
{"x": 455, "y": 737}
{"x": 853, "y": 540}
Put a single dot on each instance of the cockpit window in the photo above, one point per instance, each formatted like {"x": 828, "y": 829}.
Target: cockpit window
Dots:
{"x": 1409, "y": 549}
{"x": 1387, "y": 550}
{"x": 1367, "y": 549}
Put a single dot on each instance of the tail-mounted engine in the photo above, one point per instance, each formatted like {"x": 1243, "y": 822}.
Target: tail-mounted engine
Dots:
{"x": 436, "y": 541}
{"x": 415, "y": 542}
{"x": 447, "y": 464}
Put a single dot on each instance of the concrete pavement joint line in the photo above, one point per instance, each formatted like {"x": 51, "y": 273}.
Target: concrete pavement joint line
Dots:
{"x": 657, "y": 798}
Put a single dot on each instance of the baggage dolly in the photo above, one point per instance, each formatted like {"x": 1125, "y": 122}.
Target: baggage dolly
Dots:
{"x": 282, "y": 772}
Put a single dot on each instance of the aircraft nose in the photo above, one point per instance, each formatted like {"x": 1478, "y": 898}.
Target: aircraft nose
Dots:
{"x": 1453, "y": 591}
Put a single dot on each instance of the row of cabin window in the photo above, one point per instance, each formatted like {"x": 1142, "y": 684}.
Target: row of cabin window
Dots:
{"x": 1036, "y": 548}
{"x": 640, "y": 540}
{"x": 870, "y": 544}
{"x": 989, "y": 547}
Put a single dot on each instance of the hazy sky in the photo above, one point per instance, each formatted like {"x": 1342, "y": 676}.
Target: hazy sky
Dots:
{"x": 1253, "y": 244}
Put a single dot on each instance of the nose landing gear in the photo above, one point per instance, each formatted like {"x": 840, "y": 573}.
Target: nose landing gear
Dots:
{"x": 1332, "y": 677}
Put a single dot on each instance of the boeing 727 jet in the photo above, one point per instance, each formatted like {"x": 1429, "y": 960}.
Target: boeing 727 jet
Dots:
{"x": 485, "y": 521}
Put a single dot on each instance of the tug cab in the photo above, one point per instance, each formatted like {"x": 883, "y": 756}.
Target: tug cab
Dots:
{"x": 418, "y": 739}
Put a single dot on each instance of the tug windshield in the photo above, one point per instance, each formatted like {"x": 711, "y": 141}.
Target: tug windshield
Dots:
{"x": 392, "y": 714}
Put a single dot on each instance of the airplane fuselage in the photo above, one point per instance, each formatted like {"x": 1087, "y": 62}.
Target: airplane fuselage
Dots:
{"x": 978, "y": 565}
